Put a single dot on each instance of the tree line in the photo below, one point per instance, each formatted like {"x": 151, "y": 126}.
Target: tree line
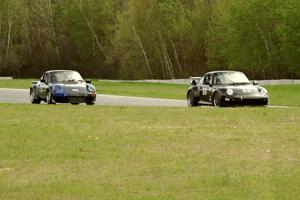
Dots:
{"x": 141, "y": 39}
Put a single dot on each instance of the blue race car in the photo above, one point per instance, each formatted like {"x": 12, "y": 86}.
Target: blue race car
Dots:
{"x": 62, "y": 86}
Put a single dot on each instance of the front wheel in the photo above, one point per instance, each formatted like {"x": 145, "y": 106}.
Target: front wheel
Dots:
{"x": 191, "y": 100}
{"x": 49, "y": 98}
{"x": 90, "y": 103}
{"x": 217, "y": 100}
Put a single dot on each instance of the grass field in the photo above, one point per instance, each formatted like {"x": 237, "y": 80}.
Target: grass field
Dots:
{"x": 288, "y": 95}
{"x": 282, "y": 95}
{"x": 80, "y": 152}
{"x": 155, "y": 90}
{"x": 16, "y": 83}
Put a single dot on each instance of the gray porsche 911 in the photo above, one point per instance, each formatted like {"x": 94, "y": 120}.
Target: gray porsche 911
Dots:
{"x": 62, "y": 86}
{"x": 225, "y": 88}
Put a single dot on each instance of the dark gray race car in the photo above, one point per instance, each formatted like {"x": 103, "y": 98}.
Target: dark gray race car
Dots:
{"x": 62, "y": 86}
{"x": 225, "y": 88}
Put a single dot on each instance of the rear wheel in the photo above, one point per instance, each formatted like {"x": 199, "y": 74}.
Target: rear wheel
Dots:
{"x": 33, "y": 98}
{"x": 191, "y": 100}
{"x": 217, "y": 100}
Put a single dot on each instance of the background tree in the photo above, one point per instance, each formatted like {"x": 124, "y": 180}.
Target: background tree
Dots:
{"x": 290, "y": 29}
{"x": 139, "y": 39}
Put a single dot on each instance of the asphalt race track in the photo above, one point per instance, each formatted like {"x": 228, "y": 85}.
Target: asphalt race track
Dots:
{"x": 22, "y": 96}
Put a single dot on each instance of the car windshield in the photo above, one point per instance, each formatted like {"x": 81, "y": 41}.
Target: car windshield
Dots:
{"x": 230, "y": 78}
{"x": 65, "y": 77}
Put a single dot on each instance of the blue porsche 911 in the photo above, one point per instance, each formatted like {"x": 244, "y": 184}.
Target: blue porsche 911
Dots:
{"x": 62, "y": 86}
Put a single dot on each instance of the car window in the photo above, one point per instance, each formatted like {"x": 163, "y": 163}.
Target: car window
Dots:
{"x": 201, "y": 80}
{"x": 47, "y": 78}
{"x": 217, "y": 79}
{"x": 207, "y": 79}
{"x": 43, "y": 77}
{"x": 230, "y": 78}
{"x": 65, "y": 76}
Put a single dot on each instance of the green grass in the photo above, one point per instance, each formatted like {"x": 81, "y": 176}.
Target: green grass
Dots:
{"x": 155, "y": 90}
{"x": 283, "y": 95}
{"x": 16, "y": 83}
{"x": 81, "y": 152}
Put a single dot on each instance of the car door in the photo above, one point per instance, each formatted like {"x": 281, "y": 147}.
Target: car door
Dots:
{"x": 43, "y": 85}
{"x": 206, "y": 89}
{"x": 210, "y": 89}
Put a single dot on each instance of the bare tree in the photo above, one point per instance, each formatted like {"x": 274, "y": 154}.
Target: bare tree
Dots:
{"x": 9, "y": 38}
{"x": 97, "y": 39}
{"x": 143, "y": 50}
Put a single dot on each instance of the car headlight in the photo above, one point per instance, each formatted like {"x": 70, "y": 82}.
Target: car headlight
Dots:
{"x": 90, "y": 88}
{"x": 229, "y": 92}
{"x": 263, "y": 92}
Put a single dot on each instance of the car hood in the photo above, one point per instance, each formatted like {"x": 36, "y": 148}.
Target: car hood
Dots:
{"x": 79, "y": 87}
{"x": 244, "y": 89}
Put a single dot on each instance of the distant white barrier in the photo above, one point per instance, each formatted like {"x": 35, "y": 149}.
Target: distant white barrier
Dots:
{"x": 187, "y": 81}
{"x": 6, "y": 78}
{"x": 279, "y": 82}
{"x": 171, "y": 81}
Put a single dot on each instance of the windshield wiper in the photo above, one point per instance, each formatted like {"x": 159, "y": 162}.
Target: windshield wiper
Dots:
{"x": 71, "y": 80}
{"x": 244, "y": 83}
{"x": 239, "y": 83}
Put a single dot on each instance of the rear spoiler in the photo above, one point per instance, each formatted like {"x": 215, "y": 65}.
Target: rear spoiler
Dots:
{"x": 194, "y": 80}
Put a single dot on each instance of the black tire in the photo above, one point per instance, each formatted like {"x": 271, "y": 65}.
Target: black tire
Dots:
{"x": 90, "y": 103}
{"x": 75, "y": 104}
{"x": 216, "y": 101}
{"x": 191, "y": 100}
{"x": 49, "y": 98}
{"x": 33, "y": 98}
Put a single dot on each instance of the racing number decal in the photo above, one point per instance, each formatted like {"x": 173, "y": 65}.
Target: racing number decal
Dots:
{"x": 40, "y": 89}
{"x": 204, "y": 91}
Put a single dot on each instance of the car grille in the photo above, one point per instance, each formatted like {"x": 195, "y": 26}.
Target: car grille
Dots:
{"x": 76, "y": 99}
{"x": 262, "y": 101}
{"x": 75, "y": 91}
{"x": 245, "y": 91}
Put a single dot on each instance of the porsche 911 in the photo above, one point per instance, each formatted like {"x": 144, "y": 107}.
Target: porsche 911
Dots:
{"x": 225, "y": 88}
{"x": 62, "y": 86}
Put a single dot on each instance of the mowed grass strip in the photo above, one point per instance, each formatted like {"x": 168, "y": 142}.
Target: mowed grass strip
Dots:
{"x": 281, "y": 95}
{"x": 81, "y": 152}
{"x": 16, "y": 83}
{"x": 142, "y": 89}
{"x": 284, "y": 95}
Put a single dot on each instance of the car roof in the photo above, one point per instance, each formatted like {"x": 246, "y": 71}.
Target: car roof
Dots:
{"x": 59, "y": 70}
{"x": 221, "y": 71}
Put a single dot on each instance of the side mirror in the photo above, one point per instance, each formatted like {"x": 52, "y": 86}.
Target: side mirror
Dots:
{"x": 88, "y": 81}
{"x": 43, "y": 81}
{"x": 255, "y": 83}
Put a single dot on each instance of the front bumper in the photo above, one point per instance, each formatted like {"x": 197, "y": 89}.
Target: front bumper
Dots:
{"x": 244, "y": 100}
{"x": 90, "y": 98}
